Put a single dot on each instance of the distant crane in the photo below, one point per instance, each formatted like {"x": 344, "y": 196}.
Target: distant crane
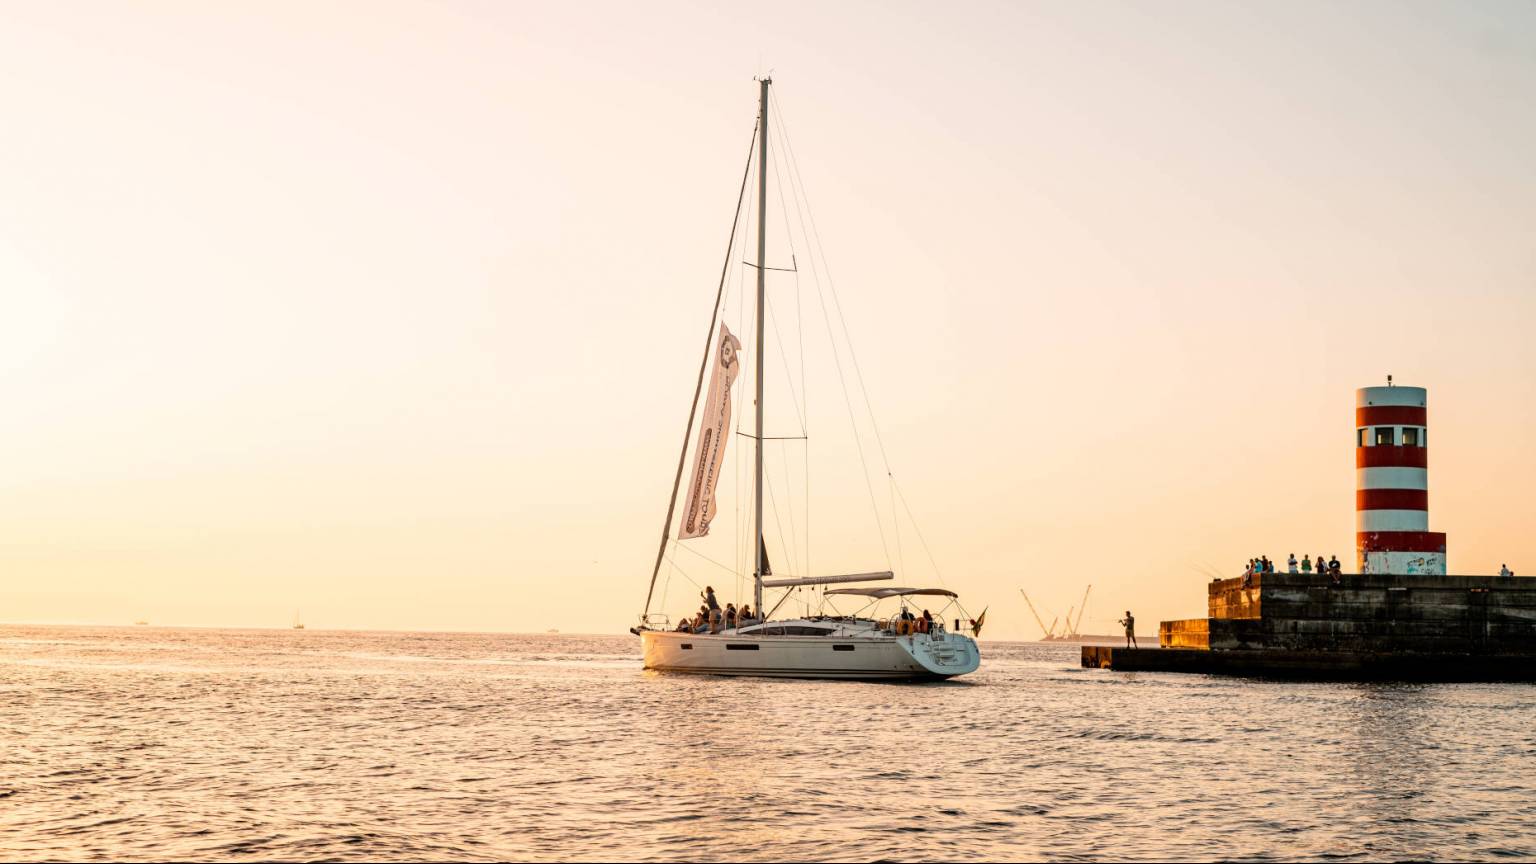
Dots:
{"x": 1070, "y": 627}
{"x": 1046, "y": 630}
{"x": 1073, "y": 626}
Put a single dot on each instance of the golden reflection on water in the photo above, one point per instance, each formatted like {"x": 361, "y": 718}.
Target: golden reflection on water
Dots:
{"x": 147, "y": 744}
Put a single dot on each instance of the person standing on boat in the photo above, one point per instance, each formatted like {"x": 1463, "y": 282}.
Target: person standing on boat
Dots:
{"x": 1130, "y": 629}
{"x": 713, "y": 610}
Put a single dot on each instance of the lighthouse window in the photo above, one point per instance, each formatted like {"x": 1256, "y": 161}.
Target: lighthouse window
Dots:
{"x": 1384, "y": 436}
{"x": 1410, "y": 437}
{"x": 1359, "y": 437}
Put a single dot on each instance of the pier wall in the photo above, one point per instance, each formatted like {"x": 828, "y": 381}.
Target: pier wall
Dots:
{"x": 1188, "y": 633}
{"x": 1380, "y": 613}
{"x": 1314, "y": 665}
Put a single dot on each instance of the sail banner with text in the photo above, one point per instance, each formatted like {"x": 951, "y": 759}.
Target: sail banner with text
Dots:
{"x": 715, "y": 430}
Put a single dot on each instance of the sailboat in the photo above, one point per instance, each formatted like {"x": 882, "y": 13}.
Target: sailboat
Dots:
{"x": 297, "y": 624}
{"x": 863, "y": 644}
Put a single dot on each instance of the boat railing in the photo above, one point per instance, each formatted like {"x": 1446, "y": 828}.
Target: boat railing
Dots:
{"x": 913, "y": 627}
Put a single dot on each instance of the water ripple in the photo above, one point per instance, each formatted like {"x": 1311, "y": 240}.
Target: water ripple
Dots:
{"x": 146, "y": 744}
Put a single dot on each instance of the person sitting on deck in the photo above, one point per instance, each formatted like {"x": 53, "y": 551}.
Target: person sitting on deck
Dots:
{"x": 744, "y": 615}
{"x": 701, "y": 620}
{"x": 730, "y": 616}
{"x": 685, "y": 626}
{"x": 927, "y": 621}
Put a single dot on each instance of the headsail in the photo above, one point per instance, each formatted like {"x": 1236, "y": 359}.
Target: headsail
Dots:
{"x": 716, "y": 430}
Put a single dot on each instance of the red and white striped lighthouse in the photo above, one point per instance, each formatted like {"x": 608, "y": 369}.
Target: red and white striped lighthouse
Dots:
{"x": 1392, "y": 483}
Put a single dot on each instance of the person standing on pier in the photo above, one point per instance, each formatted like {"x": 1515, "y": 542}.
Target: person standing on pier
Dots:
{"x": 1130, "y": 629}
{"x": 1292, "y": 563}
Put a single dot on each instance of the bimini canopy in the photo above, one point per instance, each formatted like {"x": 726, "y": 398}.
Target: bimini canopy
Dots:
{"x": 882, "y": 593}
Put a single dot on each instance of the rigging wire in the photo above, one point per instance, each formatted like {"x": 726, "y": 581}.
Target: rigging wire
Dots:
{"x": 789, "y": 503}
{"x": 919, "y": 531}
{"x": 812, "y": 234}
{"x": 744, "y": 467}
{"x": 801, "y": 399}
{"x": 777, "y": 520}
{"x": 714, "y": 313}
{"x": 677, "y": 544}
{"x": 684, "y": 573}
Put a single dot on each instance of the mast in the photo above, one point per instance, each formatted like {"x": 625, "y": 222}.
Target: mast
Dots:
{"x": 762, "y": 251}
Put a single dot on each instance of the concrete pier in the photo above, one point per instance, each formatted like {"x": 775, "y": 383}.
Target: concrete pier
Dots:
{"x": 1418, "y": 627}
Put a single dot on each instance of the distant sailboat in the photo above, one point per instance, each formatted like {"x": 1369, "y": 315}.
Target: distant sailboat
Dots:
{"x": 297, "y": 624}
{"x": 898, "y": 646}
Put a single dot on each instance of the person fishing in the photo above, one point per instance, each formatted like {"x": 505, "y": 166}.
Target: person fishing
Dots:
{"x": 1130, "y": 629}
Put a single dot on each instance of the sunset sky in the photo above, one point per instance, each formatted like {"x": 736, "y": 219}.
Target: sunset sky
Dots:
{"x": 390, "y": 312}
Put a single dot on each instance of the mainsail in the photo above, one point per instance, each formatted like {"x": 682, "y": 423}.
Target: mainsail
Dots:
{"x": 715, "y": 431}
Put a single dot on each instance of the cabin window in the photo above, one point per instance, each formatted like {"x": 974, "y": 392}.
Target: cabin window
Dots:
{"x": 1410, "y": 436}
{"x": 730, "y": 647}
{"x": 687, "y": 646}
{"x": 1384, "y": 437}
{"x": 842, "y": 647}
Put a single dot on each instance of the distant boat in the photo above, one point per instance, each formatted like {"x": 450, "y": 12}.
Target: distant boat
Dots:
{"x": 140, "y": 623}
{"x": 297, "y": 624}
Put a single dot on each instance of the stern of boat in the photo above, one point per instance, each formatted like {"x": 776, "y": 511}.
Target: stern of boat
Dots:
{"x": 942, "y": 654}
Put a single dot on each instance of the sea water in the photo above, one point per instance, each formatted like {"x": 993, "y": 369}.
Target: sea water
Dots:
{"x": 151, "y": 744}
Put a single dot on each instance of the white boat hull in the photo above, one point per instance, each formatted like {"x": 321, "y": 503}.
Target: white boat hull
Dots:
{"x": 882, "y": 657}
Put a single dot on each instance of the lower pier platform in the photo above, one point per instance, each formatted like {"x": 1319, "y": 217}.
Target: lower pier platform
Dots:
{"x": 1313, "y": 665}
{"x": 1353, "y": 627}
